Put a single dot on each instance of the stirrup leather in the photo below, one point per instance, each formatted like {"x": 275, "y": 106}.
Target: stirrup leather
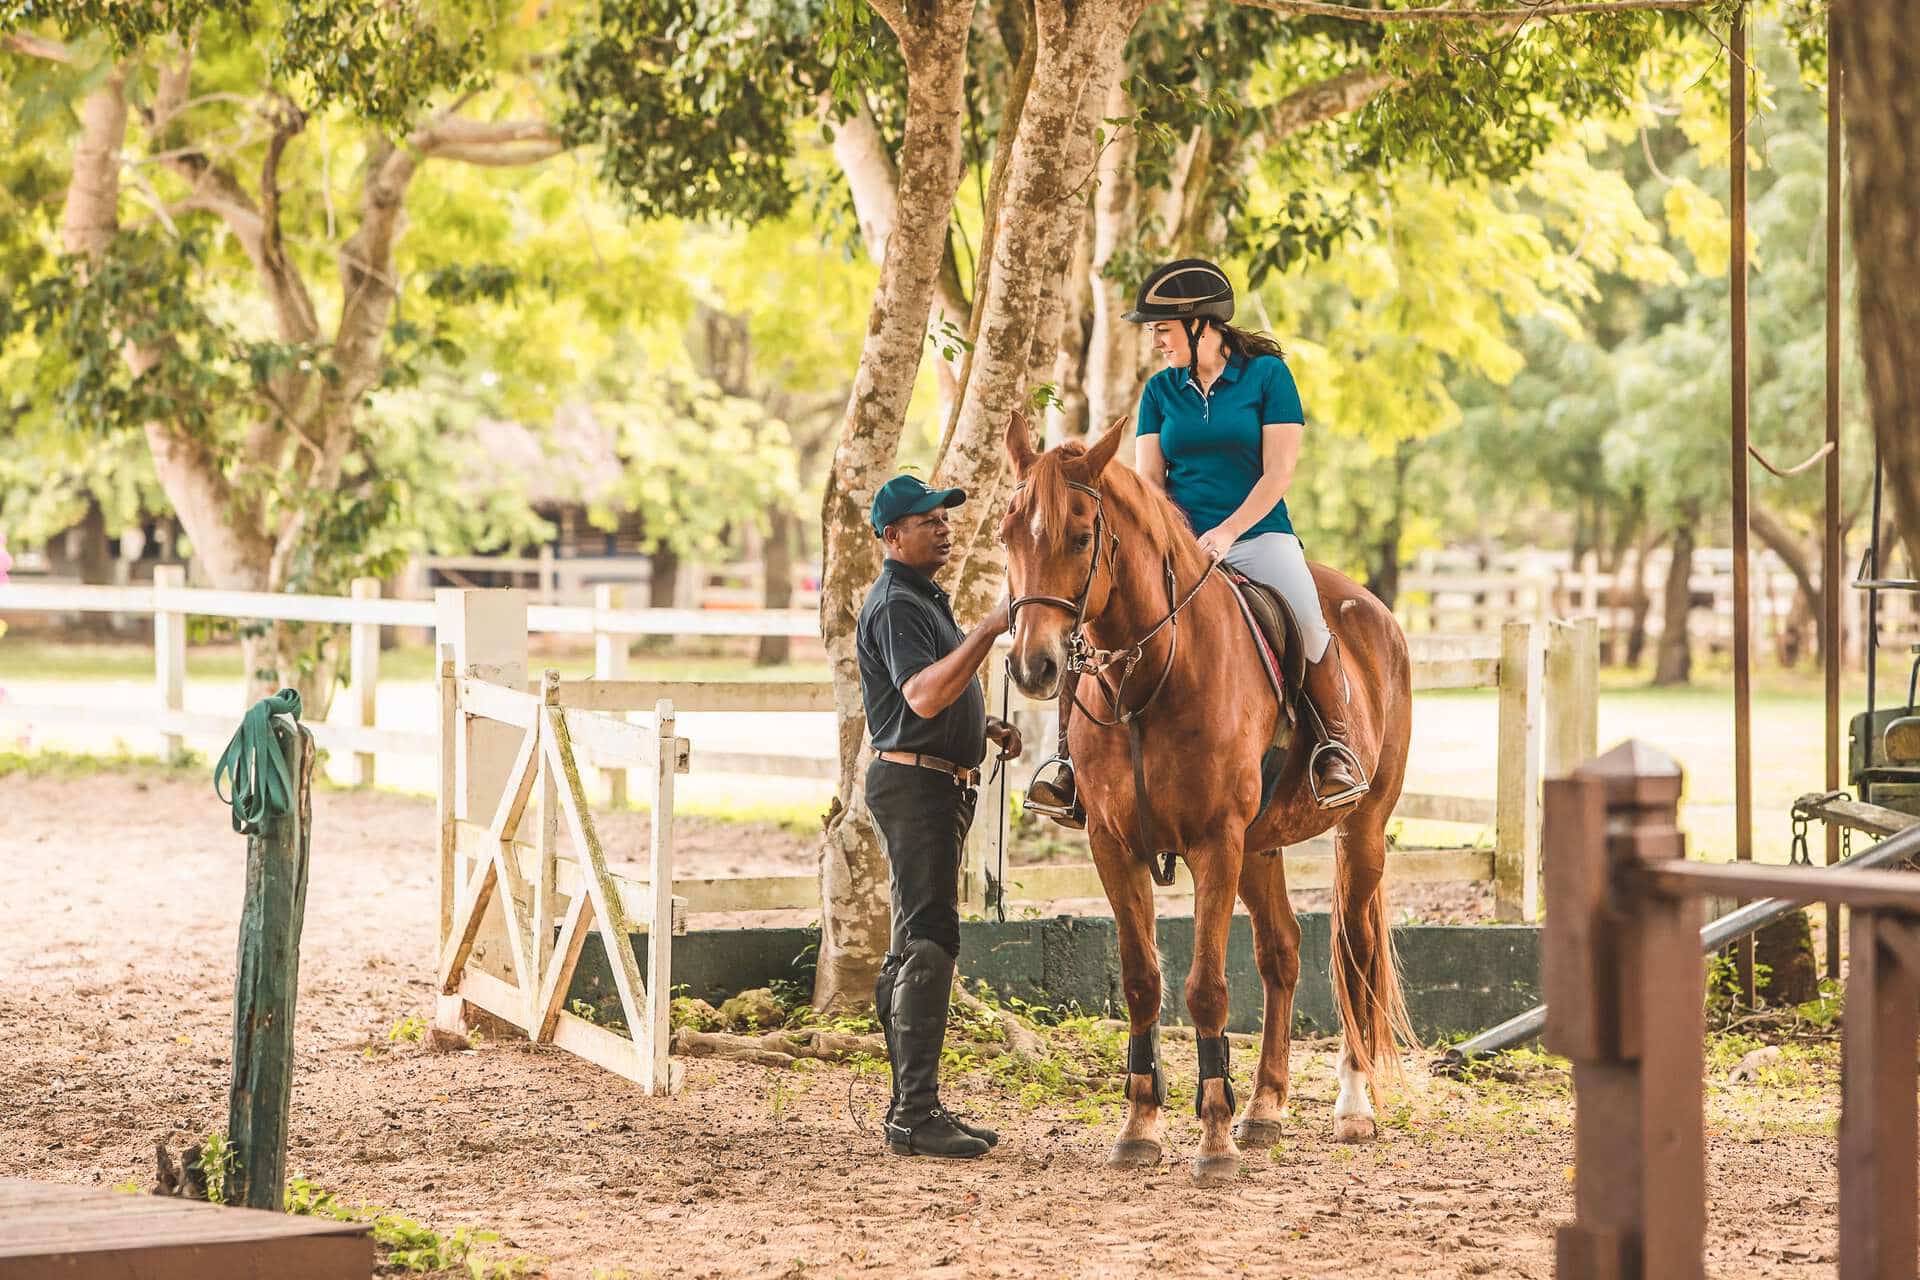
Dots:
{"x": 1348, "y": 795}
{"x": 1060, "y": 793}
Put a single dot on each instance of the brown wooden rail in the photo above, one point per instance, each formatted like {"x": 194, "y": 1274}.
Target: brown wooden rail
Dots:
{"x": 1625, "y": 986}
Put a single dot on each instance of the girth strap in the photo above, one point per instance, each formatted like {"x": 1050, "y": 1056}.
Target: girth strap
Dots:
{"x": 1159, "y": 861}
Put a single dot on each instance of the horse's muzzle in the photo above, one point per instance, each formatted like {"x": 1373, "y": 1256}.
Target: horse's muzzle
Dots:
{"x": 1038, "y": 674}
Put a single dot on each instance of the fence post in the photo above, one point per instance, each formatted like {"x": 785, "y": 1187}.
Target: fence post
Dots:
{"x": 266, "y": 985}
{"x": 447, "y": 806}
{"x": 1877, "y": 1114}
{"x": 1516, "y": 832}
{"x": 1625, "y": 985}
{"x": 610, "y": 663}
{"x": 990, "y": 813}
{"x": 1572, "y": 677}
{"x": 487, "y": 632}
{"x": 363, "y": 655}
{"x": 660, "y": 881}
{"x": 169, "y": 653}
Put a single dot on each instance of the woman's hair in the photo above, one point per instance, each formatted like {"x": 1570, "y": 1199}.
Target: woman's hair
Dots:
{"x": 1243, "y": 343}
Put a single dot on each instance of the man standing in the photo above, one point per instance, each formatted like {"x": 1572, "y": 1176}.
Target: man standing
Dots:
{"x": 928, "y": 717}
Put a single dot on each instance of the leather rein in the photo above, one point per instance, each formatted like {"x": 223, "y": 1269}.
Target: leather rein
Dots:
{"x": 1084, "y": 659}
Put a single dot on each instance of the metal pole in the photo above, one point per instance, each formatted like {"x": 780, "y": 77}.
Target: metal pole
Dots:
{"x": 1892, "y": 851}
{"x": 1831, "y": 646}
{"x": 1742, "y": 599}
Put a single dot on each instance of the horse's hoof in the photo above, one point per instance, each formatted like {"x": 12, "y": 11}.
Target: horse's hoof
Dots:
{"x": 1134, "y": 1153}
{"x": 1257, "y": 1133}
{"x": 1354, "y": 1129}
{"x": 1215, "y": 1171}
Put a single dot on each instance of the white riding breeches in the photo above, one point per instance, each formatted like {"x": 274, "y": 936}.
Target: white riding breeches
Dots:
{"x": 1277, "y": 560}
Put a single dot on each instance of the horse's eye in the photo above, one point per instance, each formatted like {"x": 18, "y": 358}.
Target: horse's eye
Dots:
{"x": 1082, "y": 542}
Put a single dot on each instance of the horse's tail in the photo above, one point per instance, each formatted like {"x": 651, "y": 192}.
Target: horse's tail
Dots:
{"x": 1366, "y": 987}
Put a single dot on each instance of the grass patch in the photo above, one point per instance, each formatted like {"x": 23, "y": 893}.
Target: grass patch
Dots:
{"x": 54, "y": 763}
{"x": 407, "y": 1247}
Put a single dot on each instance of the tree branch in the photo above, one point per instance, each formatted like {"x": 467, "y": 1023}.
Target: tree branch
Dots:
{"x": 1317, "y": 103}
{"x": 1314, "y": 9}
{"x": 28, "y": 46}
{"x": 508, "y": 142}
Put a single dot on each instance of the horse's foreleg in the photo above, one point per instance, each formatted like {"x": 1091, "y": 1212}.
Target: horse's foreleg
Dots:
{"x": 1216, "y": 875}
{"x": 1276, "y": 947}
{"x": 1130, "y": 892}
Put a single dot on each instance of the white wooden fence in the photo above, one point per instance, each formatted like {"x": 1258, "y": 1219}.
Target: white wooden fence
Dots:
{"x": 1448, "y": 593}
{"x": 1544, "y": 671}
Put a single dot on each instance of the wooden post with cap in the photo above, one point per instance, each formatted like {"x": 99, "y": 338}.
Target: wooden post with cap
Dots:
{"x": 1625, "y": 985}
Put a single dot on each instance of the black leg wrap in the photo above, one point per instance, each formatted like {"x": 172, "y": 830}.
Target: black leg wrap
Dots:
{"x": 1143, "y": 1059}
{"x": 1213, "y": 1066}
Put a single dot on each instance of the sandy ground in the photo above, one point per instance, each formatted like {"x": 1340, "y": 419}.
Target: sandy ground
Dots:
{"x": 123, "y": 892}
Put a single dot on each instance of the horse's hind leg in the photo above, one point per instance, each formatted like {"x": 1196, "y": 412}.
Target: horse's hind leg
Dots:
{"x": 1216, "y": 874}
{"x": 1276, "y": 946}
{"x": 1366, "y": 986}
{"x": 1130, "y": 892}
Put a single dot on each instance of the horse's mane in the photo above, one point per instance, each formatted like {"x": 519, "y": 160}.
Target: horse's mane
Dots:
{"x": 1046, "y": 499}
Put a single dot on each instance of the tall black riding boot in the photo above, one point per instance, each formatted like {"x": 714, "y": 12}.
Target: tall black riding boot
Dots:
{"x": 1336, "y": 776}
{"x": 919, "y": 1126}
{"x": 883, "y": 1014}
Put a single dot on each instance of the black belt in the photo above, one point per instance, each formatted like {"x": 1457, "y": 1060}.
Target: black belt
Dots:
{"x": 962, "y": 777}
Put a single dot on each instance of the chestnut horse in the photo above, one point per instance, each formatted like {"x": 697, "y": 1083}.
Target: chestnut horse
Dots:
{"x": 1096, "y": 562}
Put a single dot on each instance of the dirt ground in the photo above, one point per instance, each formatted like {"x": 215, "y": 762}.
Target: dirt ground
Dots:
{"x": 115, "y": 986}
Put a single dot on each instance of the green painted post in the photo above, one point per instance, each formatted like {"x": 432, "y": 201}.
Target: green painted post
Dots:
{"x": 265, "y": 984}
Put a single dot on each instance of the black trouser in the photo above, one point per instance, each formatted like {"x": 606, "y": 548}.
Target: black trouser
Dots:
{"x": 923, "y": 819}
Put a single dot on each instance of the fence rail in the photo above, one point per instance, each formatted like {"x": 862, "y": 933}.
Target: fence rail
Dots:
{"x": 1545, "y": 674}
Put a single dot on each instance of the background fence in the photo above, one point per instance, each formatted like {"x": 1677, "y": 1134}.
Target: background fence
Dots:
{"x": 1545, "y": 674}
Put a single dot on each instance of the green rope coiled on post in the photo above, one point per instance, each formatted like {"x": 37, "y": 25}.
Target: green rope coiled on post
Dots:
{"x": 254, "y": 768}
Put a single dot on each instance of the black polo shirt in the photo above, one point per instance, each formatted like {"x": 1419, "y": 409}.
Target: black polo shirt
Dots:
{"x": 905, "y": 626}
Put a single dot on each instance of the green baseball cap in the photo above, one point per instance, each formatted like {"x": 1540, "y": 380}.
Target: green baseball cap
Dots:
{"x": 905, "y": 496}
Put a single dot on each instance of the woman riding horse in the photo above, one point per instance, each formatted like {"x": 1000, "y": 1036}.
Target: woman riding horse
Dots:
{"x": 1219, "y": 432}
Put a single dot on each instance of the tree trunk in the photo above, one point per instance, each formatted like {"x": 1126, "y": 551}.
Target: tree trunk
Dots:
{"x": 853, "y": 868}
{"x": 1067, "y": 418}
{"x": 663, "y": 577}
{"x": 1049, "y": 167}
{"x": 1882, "y": 96}
{"x": 782, "y": 532}
{"x": 1639, "y": 602}
{"x": 1383, "y": 575}
{"x": 1113, "y": 346}
{"x": 1801, "y": 625}
{"x": 1674, "y": 661}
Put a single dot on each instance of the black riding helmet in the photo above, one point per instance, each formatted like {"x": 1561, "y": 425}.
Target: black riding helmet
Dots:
{"x": 1192, "y": 291}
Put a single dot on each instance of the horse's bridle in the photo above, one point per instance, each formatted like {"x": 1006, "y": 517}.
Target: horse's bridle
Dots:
{"x": 1084, "y": 659}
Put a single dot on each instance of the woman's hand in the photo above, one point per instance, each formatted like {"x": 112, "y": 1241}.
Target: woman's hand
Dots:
{"x": 1217, "y": 542}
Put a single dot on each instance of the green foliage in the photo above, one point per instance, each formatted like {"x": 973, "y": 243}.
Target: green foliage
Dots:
{"x": 699, "y": 464}
{"x": 406, "y": 1245}
{"x": 692, "y": 107}
{"x": 218, "y": 1163}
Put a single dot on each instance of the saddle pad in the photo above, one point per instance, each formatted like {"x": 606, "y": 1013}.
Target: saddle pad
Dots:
{"x": 1270, "y": 619}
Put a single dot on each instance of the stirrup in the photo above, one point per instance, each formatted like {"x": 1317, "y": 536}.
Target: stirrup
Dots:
{"x": 1342, "y": 798}
{"x": 1067, "y": 811}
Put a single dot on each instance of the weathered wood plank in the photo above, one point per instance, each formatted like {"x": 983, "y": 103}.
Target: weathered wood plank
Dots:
{"x": 48, "y": 1230}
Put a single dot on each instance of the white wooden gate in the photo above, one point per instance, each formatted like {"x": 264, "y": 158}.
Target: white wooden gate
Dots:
{"x": 488, "y": 863}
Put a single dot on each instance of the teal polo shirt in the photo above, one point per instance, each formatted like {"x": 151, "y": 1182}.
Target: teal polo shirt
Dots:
{"x": 1211, "y": 440}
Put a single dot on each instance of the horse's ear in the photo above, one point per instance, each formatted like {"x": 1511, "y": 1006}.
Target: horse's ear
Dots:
{"x": 1020, "y": 442}
{"x": 1105, "y": 447}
